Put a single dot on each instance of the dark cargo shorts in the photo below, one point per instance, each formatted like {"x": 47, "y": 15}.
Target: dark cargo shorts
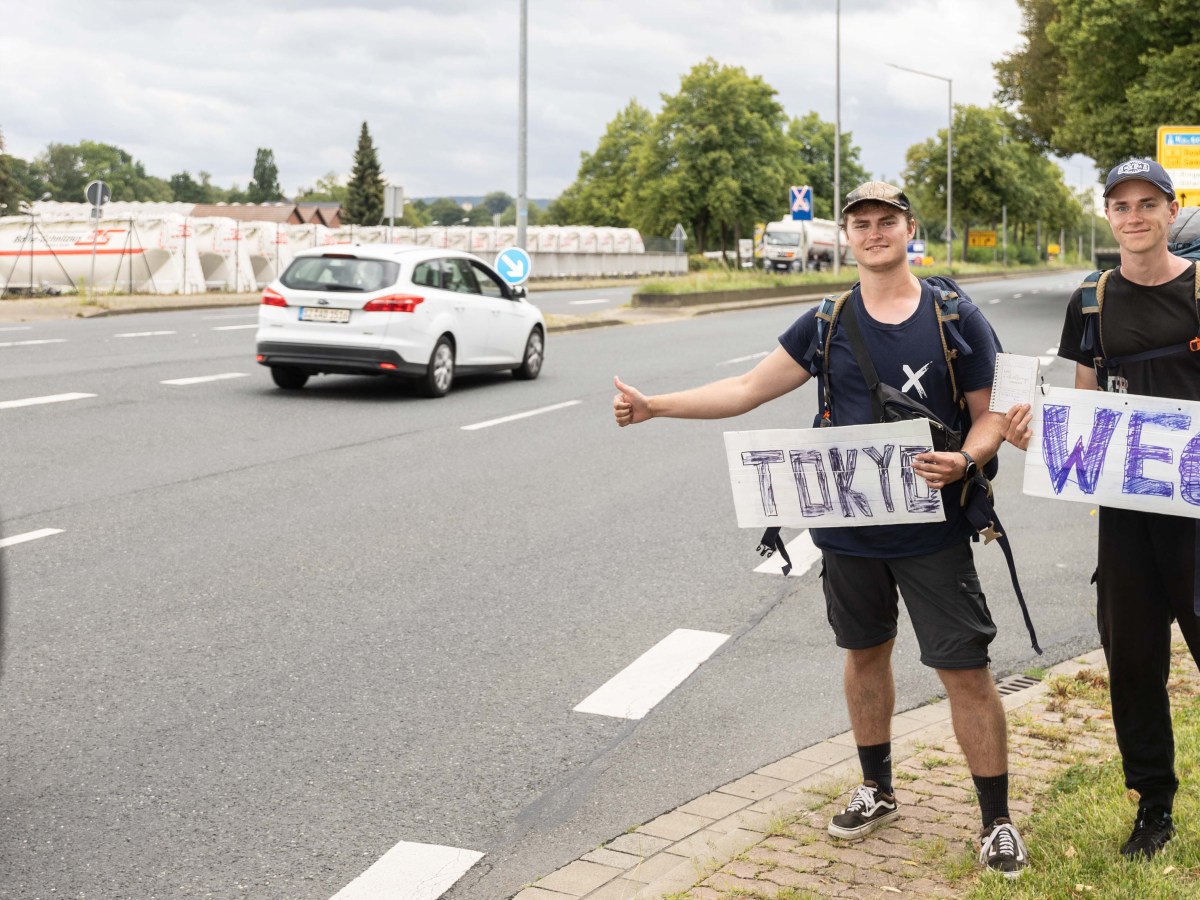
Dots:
{"x": 941, "y": 592}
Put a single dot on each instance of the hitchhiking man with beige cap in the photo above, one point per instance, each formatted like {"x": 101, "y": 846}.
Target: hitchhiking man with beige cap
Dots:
{"x": 930, "y": 565}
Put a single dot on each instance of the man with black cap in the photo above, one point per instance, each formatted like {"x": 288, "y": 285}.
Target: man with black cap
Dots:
{"x": 930, "y": 565}
{"x": 1146, "y": 575}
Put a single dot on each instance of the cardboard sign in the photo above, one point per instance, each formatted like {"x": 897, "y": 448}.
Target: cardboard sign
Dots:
{"x": 1120, "y": 450}
{"x": 855, "y": 475}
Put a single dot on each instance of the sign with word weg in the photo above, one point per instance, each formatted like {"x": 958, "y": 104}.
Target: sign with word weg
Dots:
{"x": 825, "y": 477}
{"x": 1120, "y": 450}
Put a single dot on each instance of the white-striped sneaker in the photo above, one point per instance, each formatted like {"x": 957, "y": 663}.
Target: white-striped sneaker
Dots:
{"x": 867, "y": 810}
{"x": 1003, "y": 850}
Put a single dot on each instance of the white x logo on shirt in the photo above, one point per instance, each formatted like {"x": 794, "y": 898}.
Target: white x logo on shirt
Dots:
{"x": 914, "y": 379}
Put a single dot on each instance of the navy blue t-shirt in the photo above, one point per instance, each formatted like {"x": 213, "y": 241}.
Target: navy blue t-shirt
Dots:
{"x": 910, "y": 358}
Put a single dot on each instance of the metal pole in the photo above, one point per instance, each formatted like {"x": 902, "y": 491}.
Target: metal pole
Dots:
{"x": 522, "y": 149}
{"x": 837, "y": 142}
{"x": 949, "y": 175}
{"x": 1092, "y": 216}
{"x": 949, "y": 158}
{"x": 1004, "y": 233}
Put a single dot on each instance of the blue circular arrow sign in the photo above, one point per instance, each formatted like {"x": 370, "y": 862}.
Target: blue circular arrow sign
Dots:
{"x": 513, "y": 265}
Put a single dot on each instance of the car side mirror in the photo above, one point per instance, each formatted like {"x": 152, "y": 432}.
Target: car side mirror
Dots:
{"x": 519, "y": 292}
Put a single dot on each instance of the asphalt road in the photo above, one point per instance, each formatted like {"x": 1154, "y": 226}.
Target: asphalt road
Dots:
{"x": 277, "y": 635}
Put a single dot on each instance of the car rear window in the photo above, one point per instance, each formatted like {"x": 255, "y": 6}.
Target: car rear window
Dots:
{"x": 340, "y": 273}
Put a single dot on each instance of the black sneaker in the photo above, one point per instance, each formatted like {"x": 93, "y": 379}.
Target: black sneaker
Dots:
{"x": 1003, "y": 850}
{"x": 1151, "y": 830}
{"x": 868, "y": 809}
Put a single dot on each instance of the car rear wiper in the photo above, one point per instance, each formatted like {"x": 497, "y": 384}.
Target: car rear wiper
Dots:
{"x": 340, "y": 287}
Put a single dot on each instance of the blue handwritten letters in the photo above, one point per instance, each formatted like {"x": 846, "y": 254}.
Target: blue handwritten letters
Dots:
{"x": 822, "y": 477}
{"x": 1120, "y": 450}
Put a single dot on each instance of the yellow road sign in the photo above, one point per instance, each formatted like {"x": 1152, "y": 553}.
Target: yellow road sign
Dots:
{"x": 1179, "y": 154}
{"x": 1053, "y": 249}
{"x": 981, "y": 238}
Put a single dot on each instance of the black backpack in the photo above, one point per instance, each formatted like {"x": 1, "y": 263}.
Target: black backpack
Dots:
{"x": 1185, "y": 242}
{"x": 889, "y": 405}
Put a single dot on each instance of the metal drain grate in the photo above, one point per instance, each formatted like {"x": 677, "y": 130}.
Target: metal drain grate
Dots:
{"x": 1014, "y": 683}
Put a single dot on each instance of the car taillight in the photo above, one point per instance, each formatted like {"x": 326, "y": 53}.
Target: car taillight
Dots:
{"x": 273, "y": 298}
{"x": 394, "y": 303}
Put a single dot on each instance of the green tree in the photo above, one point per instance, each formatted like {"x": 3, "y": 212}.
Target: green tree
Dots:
{"x": 186, "y": 189}
{"x": 10, "y": 189}
{"x": 715, "y": 158}
{"x": 497, "y": 202}
{"x": 1099, "y": 76}
{"x": 67, "y": 169}
{"x": 328, "y": 188}
{"x": 364, "y": 194}
{"x": 993, "y": 169}
{"x": 445, "y": 211}
{"x": 812, "y": 163}
{"x": 602, "y": 191}
{"x": 264, "y": 186}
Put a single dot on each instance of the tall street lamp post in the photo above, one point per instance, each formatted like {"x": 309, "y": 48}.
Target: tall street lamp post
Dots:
{"x": 949, "y": 157}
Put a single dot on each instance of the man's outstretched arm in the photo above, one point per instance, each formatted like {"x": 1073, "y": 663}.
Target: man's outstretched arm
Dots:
{"x": 773, "y": 377}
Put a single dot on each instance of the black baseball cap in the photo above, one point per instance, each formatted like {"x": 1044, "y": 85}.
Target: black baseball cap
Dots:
{"x": 1143, "y": 169}
{"x": 877, "y": 192}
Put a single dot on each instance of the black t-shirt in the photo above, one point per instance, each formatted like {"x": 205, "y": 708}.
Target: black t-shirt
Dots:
{"x": 1136, "y": 318}
{"x": 909, "y": 357}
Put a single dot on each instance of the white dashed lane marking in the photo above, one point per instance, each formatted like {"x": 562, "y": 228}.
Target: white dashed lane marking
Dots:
{"x": 17, "y": 328}
{"x": 588, "y": 302}
{"x": 523, "y": 415}
{"x": 203, "y": 378}
{"x": 37, "y": 401}
{"x": 129, "y": 334}
{"x": 638, "y": 688}
{"x": 32, "y": 343}
{"x": 233, "y": 327}
{"x": 994, "y": 301}
{"x": 742, "y": 359}
{"x": 803, "y": 554}
{"x": 411, "y": 872}
{"x": 29, "y": 536}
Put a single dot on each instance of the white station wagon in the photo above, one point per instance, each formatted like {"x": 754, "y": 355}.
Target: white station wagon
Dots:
{"x": 408, "y": 312}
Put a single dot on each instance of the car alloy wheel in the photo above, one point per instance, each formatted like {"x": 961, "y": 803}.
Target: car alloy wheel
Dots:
{"x": 531, "y": 365}
{"x": 440, "y": 374}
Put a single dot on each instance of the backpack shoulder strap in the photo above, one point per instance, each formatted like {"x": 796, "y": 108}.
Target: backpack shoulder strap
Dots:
{"x": 1093, "y": 301}
{"x": 827, "y": 314}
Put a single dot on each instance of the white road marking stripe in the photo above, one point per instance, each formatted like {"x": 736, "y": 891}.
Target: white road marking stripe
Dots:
{"x": 143, "y": 333}
{"x": 18, "y": 328}
{"x": 524, "y": 415}
{"x": 1047, "y": 361}
{"x": 31, "y": 343}
{"x": 36, "y": 401}
{"x": 993, "y": 301}
{"x": 588, "y": 302}
{"x": 742, "y": 359}
{"x": 1053, "y": 351}
{"x": 29, "y": 536}
{"x": 233, "y": 327}
{"x": 411, "y": 872}
{"x": 637, "y": 688}
{"x": 204, "y": 378}
{"x": 803, "y": 554}
{"x": 242, "y": 315}
{"x": 1018, "y": 296}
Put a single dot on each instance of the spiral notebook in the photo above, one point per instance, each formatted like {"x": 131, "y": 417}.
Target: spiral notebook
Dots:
{"x": 1015, "y": 381}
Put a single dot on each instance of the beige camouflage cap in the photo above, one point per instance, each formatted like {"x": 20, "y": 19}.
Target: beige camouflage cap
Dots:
{"x": 878, "y": 192}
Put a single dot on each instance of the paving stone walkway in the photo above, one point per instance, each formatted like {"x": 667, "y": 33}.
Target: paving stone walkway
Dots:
{"x": 763, "y": 836}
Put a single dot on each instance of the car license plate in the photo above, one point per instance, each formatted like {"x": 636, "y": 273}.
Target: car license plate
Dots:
{"x": 320, "y": 314}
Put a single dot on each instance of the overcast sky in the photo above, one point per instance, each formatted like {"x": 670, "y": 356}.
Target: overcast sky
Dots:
{"x": 200, "y": 86}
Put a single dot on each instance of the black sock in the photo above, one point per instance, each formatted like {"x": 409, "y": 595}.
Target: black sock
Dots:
{"x": 876, "y": 762}
{"x": 992, "y": 792}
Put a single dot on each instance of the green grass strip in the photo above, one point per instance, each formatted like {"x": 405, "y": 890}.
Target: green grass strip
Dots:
{"x": 1077, "y": 828}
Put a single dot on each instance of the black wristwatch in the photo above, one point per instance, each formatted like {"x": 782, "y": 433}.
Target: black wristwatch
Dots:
{"x": 972, "y": 468}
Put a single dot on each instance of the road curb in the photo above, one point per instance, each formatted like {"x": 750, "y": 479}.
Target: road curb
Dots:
{"x": 673, "y": 852}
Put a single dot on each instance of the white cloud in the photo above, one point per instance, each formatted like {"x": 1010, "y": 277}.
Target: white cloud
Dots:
{"x": 201, "y": 86}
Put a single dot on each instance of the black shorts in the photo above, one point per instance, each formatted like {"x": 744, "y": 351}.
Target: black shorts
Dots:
{"x": 941, "y": 592}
